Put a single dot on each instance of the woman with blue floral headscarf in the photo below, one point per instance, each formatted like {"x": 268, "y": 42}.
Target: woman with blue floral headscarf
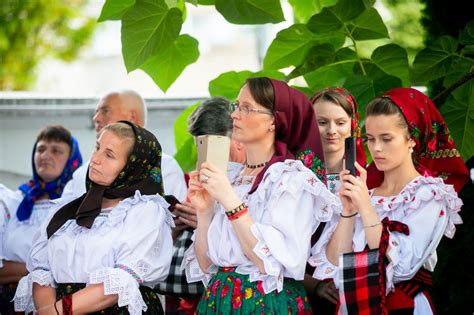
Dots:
{"x": 104, "y": 252}
{"x": 55, "y": 157}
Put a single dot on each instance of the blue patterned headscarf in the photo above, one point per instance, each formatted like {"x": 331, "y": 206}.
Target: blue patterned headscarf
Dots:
{"x": 36, "y": 187}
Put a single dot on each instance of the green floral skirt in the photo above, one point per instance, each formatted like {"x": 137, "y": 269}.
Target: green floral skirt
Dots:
{"x": 232, "y": 293}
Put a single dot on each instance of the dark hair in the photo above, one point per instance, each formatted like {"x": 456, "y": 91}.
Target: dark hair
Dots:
{"x": 385, "y": 106}
{"x": 55, "y": 133}
{"x": 211, "y": 118}
{"x": 262, "y": 91}
{"x": 330, "y": 95}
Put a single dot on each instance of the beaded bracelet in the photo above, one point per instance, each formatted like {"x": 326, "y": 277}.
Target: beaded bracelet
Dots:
{"x": 349, "y": 216}
{"x": 238, "y": 214}
{"x": 67, "y": 304}
{"x": 236, "y": 209}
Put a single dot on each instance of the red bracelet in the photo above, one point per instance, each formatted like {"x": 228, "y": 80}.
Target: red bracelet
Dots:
{"x": 238, "y": 214}
{"x": 67, "y": 304}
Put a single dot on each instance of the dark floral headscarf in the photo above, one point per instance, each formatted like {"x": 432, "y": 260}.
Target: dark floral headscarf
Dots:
{"x": 36, "y": 187}
{"x": 142, "y": 172}
{"x": 434, "y": 144}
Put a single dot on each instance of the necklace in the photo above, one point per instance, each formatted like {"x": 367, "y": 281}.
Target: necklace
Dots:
{"x": 256, "y": 165}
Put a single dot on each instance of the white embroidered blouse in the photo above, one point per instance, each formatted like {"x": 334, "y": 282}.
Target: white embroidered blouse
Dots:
{"x": 127, "y": 246}
{"x": 429, "y": 208}
{"x": 286, "y": 208}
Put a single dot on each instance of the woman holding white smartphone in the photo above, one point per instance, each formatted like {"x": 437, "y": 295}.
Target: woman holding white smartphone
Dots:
{"x": 253, "y": 235}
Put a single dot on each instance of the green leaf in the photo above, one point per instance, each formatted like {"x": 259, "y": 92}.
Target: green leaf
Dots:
{"x": 459, "y": 68}
{"x": 466, "y": 36}
{"x": 347, "y": 10}
{"x": 458, "y": 112}
{"x": 289, "y": 48}
{"x": 115, "y": 9}
{"x": 393, "y": 60}
{"x": 325, "y": 22}
{"x": 468, "y": 51}
{"x": 366, "y": 89}
{"x": 179, "y": 4}
{"x": 435, "y": 61}
{"x": 148, "y": 28}
{"x": 228, "y": 84}
{"x": 166, "y": 66}
{"x": 250, "y": 11}
{"x": 186, "y": 156}
{"x": 304, "y": 9}
{"x": 318, "y": 56}
{"x": 333, "y": 74}
{"x": 368, "y": 25}
{"x": 181, "y": 133}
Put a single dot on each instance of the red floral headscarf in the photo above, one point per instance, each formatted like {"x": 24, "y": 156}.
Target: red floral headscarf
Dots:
{"x": 355, "y": 128}
{"x": 434, "y": 144}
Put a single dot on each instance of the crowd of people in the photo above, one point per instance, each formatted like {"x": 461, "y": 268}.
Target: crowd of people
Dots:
{"x": 286, "y": 230}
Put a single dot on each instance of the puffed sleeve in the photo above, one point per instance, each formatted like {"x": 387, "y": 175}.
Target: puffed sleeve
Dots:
{"x": 431, "y": 213}
{"x": 295, "y": 203}
{"x": 143, "y": 254}
{"x": 9, "y": 201}
{"x": 39, "y": 270}
{"x": 324, "y": 269}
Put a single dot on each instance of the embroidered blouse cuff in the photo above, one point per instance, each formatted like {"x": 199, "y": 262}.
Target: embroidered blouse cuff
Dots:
{"x": 124, "y": 282}
{"x": 24, "y": 293}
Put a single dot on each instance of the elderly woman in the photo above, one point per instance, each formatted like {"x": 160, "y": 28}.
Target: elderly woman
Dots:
{"x": 103, "y": 252}
{"x": 254, "y": 228}
{"x": 55, "y": 157}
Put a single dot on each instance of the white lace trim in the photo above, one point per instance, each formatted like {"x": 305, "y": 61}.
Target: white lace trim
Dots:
{"x": 104, "y": 224}
{"x": 424, "y": 189}
{"x": 24, "y": 293}
{"x": 192, "y": 269}
{"x": 324, "y": 269}
{"x": 122, "y": 283}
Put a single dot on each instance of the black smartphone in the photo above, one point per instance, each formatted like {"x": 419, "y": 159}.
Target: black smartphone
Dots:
{"x": 172, "y": 200}
{"x": 350, "y": 154}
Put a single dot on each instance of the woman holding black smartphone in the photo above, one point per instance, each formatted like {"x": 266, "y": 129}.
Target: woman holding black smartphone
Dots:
{"x": 382, "y": 248}
{"x": 337, "y": 120}
{"x": 253, "y": 235}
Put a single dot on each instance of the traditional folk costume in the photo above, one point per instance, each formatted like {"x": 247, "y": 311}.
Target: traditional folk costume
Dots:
{"x": 127, "y": 248}
{"x": 333, "y": 183}
{"x": 21, "y": 214}
{"x": 286, "y": 202}
{"x": 396, "y": 276}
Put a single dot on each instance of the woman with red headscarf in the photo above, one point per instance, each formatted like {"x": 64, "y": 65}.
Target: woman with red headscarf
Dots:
{"x": 253, "y": 235}
{"x": 383, "y": 248}
{"x": 337, "y": 118}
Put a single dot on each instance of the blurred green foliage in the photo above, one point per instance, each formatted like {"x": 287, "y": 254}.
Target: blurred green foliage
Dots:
{"x": 31, "y": 30}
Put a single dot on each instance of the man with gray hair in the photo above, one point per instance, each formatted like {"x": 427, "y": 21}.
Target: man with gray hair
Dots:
{"x": 126, "y": 105}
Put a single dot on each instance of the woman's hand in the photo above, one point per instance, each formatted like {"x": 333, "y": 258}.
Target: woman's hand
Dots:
{"x": 186, "y": 214}
{"x": 328, "y": 291}
{"x": 218, "y": 186}
{"x": 200, "y": 199}
{"x": 355, "y": 189}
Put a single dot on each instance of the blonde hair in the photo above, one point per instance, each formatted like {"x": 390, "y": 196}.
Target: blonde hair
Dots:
{"x": 124, "y": 132}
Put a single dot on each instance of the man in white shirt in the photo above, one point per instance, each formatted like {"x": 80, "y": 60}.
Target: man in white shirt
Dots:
{"x": 126, "y": 105}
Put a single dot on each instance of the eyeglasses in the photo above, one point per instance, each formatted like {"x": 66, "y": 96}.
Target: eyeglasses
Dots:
{"x": 244, "y": 109}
